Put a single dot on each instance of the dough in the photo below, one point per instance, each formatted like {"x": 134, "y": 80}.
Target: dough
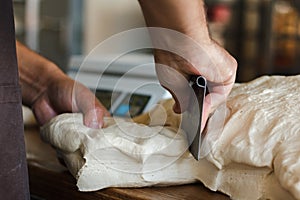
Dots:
{"x": 124, "y": 154}
{"x": 28, "y": 117}
{"x": 256, "y": 154}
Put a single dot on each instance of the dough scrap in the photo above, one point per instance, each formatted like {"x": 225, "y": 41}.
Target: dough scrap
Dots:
{"x": 256, "y": 154}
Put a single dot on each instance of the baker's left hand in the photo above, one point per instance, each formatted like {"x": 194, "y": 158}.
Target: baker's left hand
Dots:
{"x": 49, "y": 92}
{"x": 65, "y": 95}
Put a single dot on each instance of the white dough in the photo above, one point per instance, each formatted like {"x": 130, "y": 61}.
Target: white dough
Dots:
{"x": 256, "y": 154}
{"x": 123, "y": 154}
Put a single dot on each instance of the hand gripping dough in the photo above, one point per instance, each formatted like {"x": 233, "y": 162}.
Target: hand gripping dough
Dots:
{"x": 256, "y": 155}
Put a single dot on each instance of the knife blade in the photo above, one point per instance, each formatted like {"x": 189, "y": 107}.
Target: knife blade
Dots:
{"x": 191, "y": 118}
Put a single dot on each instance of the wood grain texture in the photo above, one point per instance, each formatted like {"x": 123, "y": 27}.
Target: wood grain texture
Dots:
{"x": 49, "y": 179}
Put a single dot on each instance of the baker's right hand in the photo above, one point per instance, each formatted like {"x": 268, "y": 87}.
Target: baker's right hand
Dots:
{"x": 207, "y": 59}
{"x": 183, "y": 44}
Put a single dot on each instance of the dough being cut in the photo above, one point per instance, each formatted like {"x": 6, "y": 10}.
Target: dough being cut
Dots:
{"x": 256, "y": 155}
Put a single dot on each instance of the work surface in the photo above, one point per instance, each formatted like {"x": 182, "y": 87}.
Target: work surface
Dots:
{"x": 49, "y": 179}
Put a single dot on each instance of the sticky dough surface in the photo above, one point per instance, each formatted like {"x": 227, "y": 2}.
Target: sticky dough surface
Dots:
{"x": 254, "y": 141}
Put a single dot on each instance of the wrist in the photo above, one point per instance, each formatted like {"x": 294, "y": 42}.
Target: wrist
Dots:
{"x": 188, "y": 18}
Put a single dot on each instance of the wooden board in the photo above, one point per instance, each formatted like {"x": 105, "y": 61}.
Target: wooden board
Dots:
{"x": 49, "y": 179}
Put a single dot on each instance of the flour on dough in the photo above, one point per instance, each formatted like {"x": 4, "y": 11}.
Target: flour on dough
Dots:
{"x": 256, "y": 155}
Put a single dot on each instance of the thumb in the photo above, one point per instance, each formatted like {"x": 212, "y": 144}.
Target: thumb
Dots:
{"x": 86, "y": 102}
{"x": 177, "y": 84}
{"x": 93, "y": 118}
{"x": 206, "y": 112}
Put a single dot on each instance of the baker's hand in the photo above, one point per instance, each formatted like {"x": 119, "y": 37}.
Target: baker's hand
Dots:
{"x": 207, "y": 59}
{"x": 183, "y": 43}
{"x": 65, "y": 95}
{"x": 49, "y": 92}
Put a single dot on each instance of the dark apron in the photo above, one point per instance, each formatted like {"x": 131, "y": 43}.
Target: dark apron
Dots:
{"x": 13, "y": 166}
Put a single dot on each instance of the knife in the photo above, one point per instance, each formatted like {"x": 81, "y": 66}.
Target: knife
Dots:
{"x": 191, "y": 118}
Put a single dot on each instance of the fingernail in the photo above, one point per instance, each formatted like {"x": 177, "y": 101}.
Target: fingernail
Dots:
{"x": 94, "y": 125}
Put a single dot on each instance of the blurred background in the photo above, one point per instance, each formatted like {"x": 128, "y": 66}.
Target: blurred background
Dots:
{"x": 263, "y": 35}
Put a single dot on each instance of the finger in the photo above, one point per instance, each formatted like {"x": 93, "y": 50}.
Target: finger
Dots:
{"x": 86, "y": 102}
{"x": 206, "y": 111}
{"x": 43, "y": 111}
{"x": 211, "y": 103}
{"x": 177, "y": 84}
{"x": 181, "y": 98}
{"x": 93, "y": 112}
{"x": 94, "y": 118}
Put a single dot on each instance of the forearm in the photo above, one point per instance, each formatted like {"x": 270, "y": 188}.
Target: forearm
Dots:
{"x": 34, "y": 72}
{"x": 184, "y": 16}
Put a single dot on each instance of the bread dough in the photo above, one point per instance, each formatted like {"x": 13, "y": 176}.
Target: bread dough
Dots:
{"x": 28, "y": 117}
{"x": 256, "y": 155}
{"x": 124, "y": 154}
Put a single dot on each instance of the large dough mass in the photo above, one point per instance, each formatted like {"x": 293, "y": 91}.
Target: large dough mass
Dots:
{"x": 256, "y": 155}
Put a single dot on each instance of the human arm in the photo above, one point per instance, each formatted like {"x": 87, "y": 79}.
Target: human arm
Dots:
{"x": 195, "y": 53}
{"x": 49, "y": 92}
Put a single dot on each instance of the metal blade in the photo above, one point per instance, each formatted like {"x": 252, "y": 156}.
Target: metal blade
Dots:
{"x": 191, "y": 118}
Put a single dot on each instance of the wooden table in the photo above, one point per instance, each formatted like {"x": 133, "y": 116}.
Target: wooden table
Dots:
{"x": 49, "y": 179}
